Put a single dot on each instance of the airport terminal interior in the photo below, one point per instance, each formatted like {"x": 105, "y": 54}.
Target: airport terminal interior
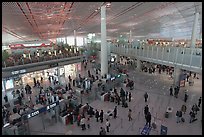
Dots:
{"x": 101, "y": 68}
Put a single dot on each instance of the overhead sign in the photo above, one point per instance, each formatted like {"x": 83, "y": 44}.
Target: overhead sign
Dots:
{"x": 32, "y": 114}
{"x": 18, "y": 72}
{"x": 43, "y": 109}
{"x": 52, "y": 105}
{"x": 53, "y": 65}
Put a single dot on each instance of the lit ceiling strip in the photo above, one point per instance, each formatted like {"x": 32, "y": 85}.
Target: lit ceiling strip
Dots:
{"x": 12, "y": 33}
{"x": 34, "y": 20}
{"x": 85, "y": 21}
{"x": 25, "y": 16}
{"x": 64, "y": 18}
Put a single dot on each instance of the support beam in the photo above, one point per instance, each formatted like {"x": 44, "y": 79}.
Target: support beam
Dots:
{"x": 194, "y": 31}
{"x": 104, "y": 48}
{"x": 75, "y": 40}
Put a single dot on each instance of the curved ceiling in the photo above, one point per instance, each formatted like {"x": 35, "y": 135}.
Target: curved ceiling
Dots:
{"x": 27, "y": 21}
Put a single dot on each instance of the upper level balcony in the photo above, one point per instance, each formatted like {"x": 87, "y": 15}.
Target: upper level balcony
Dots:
{"x": 185, "y": 58}
{"x": 16, "y": 60}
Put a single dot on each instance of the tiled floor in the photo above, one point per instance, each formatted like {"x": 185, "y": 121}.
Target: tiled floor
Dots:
{"x": 157, "y": 86}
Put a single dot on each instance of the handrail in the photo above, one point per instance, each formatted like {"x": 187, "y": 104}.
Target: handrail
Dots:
{"x": 186, "y": 58}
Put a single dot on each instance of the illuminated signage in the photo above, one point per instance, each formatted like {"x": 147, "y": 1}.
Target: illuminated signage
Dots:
{"x": 51, "y": 106}
{"x": 18, "y": 72}
{"x": 33, "y": 114}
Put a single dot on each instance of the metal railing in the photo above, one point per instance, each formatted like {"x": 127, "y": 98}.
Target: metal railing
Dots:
{"x": 186, "y": 58}
{"x": 35, "y": 59}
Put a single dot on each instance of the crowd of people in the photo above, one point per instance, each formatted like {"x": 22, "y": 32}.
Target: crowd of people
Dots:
{"x": 19, "y": 59}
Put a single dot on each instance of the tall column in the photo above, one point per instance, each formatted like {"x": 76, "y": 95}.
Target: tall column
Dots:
{"x": 177, "y": 76}
{"x": 104, "y": 48}
{"x": 138, "y": 64}
{"x": 194, "y": 31}
{"x": 83, "y": 41}
{"x": 66, "y": 40}
{"x": 75, "y": 40}
{"x": 130, "y": 39}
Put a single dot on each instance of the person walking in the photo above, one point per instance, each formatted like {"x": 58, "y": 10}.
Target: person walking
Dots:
{"x": 185, "y": 96}
{"x": 177, "y": 116}
{"x": 102, "y": 131}
{"x": 146, "y": 110}
{"x": 6, "y": 99}
{"x": 78, "y": 119}
{"x": 199, "y": 101}
{"x": 101, "y": 116}
{"x": 126, "y": 95}
{"x": 115, "y": 112}
{"x": 129, "y": 97}
{"x": 148, "y": 119}
{"x": 183, "y": 108}
{"x": 82, "y": 122}
{"x": 171, "y": 91}
{"x": 146, "y": 96}
{"x": 107, "y": 125}
{"x": 130, "y": 114}
{"x": 97, "y": 115}
{"x": 192, "y": 117}
{"x": 66, "y": 88}
{"x": 88, "y": 122}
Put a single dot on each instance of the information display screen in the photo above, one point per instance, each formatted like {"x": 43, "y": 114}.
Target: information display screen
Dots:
{"x": 9, "y": 84}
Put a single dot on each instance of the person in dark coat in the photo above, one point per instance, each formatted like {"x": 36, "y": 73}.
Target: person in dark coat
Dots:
{"x": 146, "y": 110}
{"x": 199, "y": 101}
{"x": 101, "y": 116}
{"x": 96, "y": 115}
{"x": 129, "y": 96}
{"x": 115, "y": 112}
{"x": 146, "y": 96}
{"x": 148, "y": 119}
{"x": 171, "y": 91}
{"x": 185, "y": 97}
{"x": 6, "y": 98}
{"x": 73, "y": 82}
{"x": 66, "y": 88}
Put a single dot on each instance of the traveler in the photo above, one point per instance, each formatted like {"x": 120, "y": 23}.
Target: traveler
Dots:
{"x": 148, "y": 119}
{"x": 199, "y": 101}
{"x": 115, "y": 112}
{"x": 146, "y": 110}
{"x": 66, "y": 88}
{"x": 185, "y": 96}
{"x": 178, "y": 116}
{"x": 192, "y": 117}
{"x": 126, "y": 95}
{"x": 129, "y": 97}
{"x": 130, "y": 114}
{"x": 97, "y": 115}
{"x": 102, "y": 131}
{"x": 78, "y": 119}
{"x": 6, "y": 98}
{"x": 82, "y": 122}
{"x": 107, "y": 125}
{"x": 101, "y": 116}
{"x": 183, "y": 108}
{"x": 146, "y": 96}
{"x": 171, "y": 91}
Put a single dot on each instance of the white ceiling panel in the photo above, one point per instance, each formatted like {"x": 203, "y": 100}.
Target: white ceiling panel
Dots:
{"x": 25, "y": 21}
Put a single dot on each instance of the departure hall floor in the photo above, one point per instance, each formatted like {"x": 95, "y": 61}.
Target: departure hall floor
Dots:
{"x": 157, "y": 86}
